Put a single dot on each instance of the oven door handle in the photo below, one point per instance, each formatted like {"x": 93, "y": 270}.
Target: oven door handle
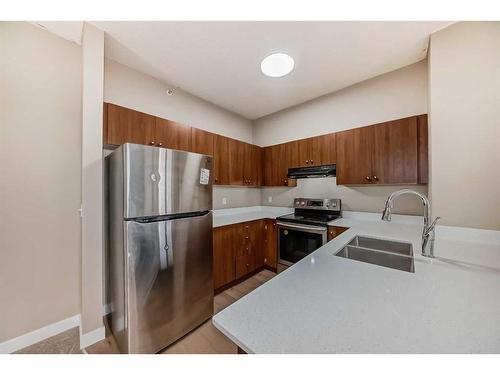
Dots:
{"x": 308, "y": 228}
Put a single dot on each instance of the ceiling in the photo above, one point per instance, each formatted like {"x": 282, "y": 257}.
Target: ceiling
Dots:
{"x": 220, "y": 61}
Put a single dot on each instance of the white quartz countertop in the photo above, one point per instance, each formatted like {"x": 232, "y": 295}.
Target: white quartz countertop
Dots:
{"x": 229, "y": 216}
{"x": 329, "y": 304}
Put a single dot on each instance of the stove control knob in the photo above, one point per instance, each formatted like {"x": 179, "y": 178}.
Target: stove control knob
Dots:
{"x": 303, "y": 203}
{"x": 328, "y": 205}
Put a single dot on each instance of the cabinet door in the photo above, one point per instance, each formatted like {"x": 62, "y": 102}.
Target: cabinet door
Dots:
{"x": 270, "y": 244}
{"x": 247, "y": 163}
{"x": 126, "y": 125}
{"x": 292, "y": 154}
{"x": 170, "y": 134}
{"x": 327, "y": 149}
{"x": 334, "y": 231}
{"x": 202, "y": 142}
{"x": 224, "y": 256}
{"x": 256, "y": 243}
{"x": 395, "y": 152}
{"x": 268, "y": 165}
{"x": 354, "y": 156}
{"x": 276, "y": 163}
{"x": 236, "y": 162}
{"x": 221, "y": 160}
{"x": 423, "y": 150}
{"x": 304, "y": 152}
{"x": 256, "y": 176}
{"x": 289, "y": 160}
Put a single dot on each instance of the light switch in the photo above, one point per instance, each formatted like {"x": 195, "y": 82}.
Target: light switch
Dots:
{"x": 224, "y": 201}
{"x": 270, "y": 199}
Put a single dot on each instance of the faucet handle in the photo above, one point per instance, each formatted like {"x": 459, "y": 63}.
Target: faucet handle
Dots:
{"x": 430, "y": 228}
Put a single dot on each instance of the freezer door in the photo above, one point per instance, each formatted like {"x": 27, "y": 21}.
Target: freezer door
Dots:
{"x": 161, "y": 181}
{"x": 169, "y": 283}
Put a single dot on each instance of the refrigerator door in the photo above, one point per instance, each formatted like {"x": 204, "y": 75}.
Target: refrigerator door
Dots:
{"x": 168, "y": 284}
{"x": 161, "y": 181}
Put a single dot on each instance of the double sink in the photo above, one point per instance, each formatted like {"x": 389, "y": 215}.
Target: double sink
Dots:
{"x": 392, "y": 254}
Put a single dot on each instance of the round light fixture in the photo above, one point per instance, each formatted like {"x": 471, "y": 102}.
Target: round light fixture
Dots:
{"x": 277, "y": 65}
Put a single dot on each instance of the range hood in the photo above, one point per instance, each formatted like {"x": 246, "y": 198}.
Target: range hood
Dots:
{"x": 329, "y": 170}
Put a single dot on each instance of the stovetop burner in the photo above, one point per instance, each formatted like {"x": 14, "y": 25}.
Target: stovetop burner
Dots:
{"x": 322, "y": 220}
{"x": 318, "y": 212}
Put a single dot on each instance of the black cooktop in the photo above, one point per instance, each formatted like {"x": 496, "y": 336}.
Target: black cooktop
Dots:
{"x": 312, "y": 219}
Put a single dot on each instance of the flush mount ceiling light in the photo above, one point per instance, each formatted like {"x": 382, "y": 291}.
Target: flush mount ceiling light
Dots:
{"x": 277, "y": 65}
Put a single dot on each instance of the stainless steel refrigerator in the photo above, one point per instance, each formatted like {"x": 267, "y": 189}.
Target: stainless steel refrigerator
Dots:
{"x": 159, "y": 245}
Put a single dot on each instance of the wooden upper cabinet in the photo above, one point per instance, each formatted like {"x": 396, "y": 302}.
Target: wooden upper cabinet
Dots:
{"x": 236, "y": 162}
{"x": 354, "y": 156}
{"x": 170, "y": 134}
{"x": 292, "y": 155}
{"x": 221, "y": 160}
{"x": 276, "y": 161}
{"x": 224, "y": 256}
{"x": 395, "y": 152}
{"x": 303, "y": 147}
{"x": 327, "y": 149}
{"x": 267, "y": 165}
{"x": 126, "y": 125}
{"x": 423, "y": 149}
{"x": 202, "y": 142}
{"x": 248, "y": 164}
{"x": 386, "y": 153}
{"x": 320, "y": 150}
{"x": 257, "y": 173}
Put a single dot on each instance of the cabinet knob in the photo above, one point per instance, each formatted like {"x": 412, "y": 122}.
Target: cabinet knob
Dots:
{"x": 367, "y": 178}
{"x": 216, "y": 179}
{"x": 160, "y": 144}
{"x": 307, "y": 161}
{"x": 312, "y": 161}
{"x": 285, "y": 182}
{"x": 152, "y": 143}
{"x": 375, "y": 178}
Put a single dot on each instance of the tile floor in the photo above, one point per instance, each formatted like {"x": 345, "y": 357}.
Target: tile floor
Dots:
{"x": 206, "y": 339}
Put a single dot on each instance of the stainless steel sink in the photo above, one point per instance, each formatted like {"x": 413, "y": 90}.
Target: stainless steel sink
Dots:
{"x": 392, "y": 254}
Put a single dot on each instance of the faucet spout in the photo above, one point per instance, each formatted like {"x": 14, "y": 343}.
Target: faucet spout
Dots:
{"x": 428, "y": 231}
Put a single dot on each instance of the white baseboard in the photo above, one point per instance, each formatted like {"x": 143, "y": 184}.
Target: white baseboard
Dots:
{"x": 30, "y": 338}
{"x": 87, "y": 339}
{"x": 33, "y": 337}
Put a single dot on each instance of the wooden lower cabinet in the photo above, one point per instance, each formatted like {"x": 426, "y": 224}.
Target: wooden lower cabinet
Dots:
{"x": 270, "y": 244}
{"x": 224, "y": 256}
{"x": 334, "y": 231}
{"x": 240, "y": 249}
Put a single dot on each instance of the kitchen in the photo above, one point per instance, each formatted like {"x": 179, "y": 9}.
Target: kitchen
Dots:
{"x": 297, "y": 211}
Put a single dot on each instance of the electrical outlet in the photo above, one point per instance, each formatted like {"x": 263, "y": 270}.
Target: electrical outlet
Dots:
{"x": 270, "y": 199}
{"x": 224, "y": 201}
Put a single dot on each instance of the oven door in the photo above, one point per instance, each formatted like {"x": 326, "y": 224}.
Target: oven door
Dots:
{"x": 296, "y": 241}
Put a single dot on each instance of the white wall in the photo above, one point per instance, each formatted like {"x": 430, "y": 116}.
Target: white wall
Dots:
{"x": 397, "y": 94}
{"x": 354, "y": 198}
{"x": 92, "y": 186}
{"x": 464, "y": 82}
{"x": 130, "y": 88}
{"x": 40, "y": 191}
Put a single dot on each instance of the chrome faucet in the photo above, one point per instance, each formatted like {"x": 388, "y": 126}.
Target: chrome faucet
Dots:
{"x": 428, "y": 232}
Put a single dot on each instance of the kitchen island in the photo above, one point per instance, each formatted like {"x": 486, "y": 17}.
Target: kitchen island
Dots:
{"x": 330, "y": 304}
